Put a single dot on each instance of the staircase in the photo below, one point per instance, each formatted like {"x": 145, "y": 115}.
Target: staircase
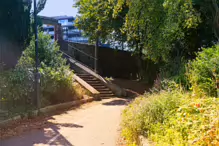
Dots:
{"x": 87, "y": 75}
{"x": 105, "y": 92}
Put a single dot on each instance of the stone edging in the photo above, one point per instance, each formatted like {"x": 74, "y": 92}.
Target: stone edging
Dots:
{"x": 49, "y": 109}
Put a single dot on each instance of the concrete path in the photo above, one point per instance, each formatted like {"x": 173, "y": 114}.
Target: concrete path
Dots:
{"x": 94, "y": 124}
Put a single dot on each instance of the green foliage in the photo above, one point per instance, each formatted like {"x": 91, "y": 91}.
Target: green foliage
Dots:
{"x": 193, "y": 123}
{"x": 94, "y": 18}
{"x": 56, "y": 77}
{"x": 48, "y": 54}
{"x": 175, "y": 71}
{"x": 203, "y": 72}
{"x": 41, "y": 5}
{"x": 57, "y": 86}
{"x": 164, "y": 31}
{"x": 97, "y": 20}
{"x": 169, "y": 85}
{"x": 149, "y": 27}
{"x": 172, "y": 118}
{"x": 155, "y": 27}
{"x": 155, "y": 108}
{"x": 16, "y": 88}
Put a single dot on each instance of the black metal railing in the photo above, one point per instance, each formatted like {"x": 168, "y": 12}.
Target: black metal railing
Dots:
{"x": 86, "y": 59}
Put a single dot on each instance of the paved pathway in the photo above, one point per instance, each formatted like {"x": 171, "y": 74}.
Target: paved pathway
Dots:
{"x": 94, "y": 124}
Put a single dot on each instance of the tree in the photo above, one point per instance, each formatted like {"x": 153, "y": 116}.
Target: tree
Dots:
{"x": 156, "y": 26}
{"x": 165, "y": 31}
{"x": 41, "y": 5}
{"x": 96, "y": 17}
{"x": 15, "y": 15}
{"x": 150, "y": 26}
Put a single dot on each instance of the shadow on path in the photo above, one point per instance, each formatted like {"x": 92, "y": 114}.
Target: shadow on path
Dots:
{"x": 44, "y": 133}
{"x": 118, "y": 102}
{"x": 68, "y": 125}
{"x": 49, "y": 136}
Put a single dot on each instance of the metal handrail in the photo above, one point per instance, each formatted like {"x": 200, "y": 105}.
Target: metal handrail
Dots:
{"x": 82, "y": 52}
{"x": 73, "y": 57}
{"x": 70, "y": 57}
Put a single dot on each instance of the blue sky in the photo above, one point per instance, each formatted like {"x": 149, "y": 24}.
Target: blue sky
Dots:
{"x": 59, "y": 8}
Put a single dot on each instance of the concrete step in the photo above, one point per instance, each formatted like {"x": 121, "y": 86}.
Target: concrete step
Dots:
{"x": 91, "y": 79}
{"x": 106, "y": 95}
{"x": 93, "y": 82}
{"x": 106, "y": 92}
{"x": 104, "y": 89}
{"x": 100, "y": 87}
{"x": 96, "y": 84}
{"x": 84, "y": 75}
{"x": 87, "y": 78}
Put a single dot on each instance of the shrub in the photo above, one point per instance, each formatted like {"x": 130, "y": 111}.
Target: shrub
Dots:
{"x": 165, "y": 85}
{"x": 175, "y": 70}
{"x": 172, "y": 118}
{"x": 57, "y": 85}
{"x": 195, "y": 122}
{"x": 56, "y": 76}
{"x": 144, "y": 111}
{"x": 49, "y": 55}
{"x": 203, "y": 72}
{"x": 16, "y": 89}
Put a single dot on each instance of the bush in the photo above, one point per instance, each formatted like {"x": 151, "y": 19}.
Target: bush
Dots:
{"x": 139, "y": 116}
{"x": 57, "y": 85}
{"x": 203, "y": 72}
{"x": 175, "y": 70}
{"x": 172, "y": 118}
{"x": 56, "y": 76}
{"x": 16, "y": 88}
{"x": 169, "y": 85}
{"x": 195, "y": 122}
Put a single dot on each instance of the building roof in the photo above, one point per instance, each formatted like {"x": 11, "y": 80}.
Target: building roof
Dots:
{"x": 48, "y": 20}
{"x": 62, "y": 17}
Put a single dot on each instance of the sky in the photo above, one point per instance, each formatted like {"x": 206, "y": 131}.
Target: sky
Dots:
{"x": 59, "y": 8}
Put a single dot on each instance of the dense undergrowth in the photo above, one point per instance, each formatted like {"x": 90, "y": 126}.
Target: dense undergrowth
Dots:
{"x": 172, "y": 115}
{"x": 57, "y": 84}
